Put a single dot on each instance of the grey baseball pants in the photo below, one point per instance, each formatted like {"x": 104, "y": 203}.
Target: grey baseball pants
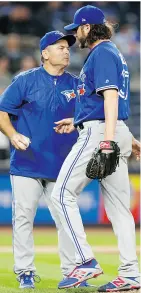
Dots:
{"x": 26, "y": 193}
{"x": 115, "y": 190}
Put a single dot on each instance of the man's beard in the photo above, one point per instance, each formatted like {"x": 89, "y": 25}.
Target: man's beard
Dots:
{"x": 83, "y": 43}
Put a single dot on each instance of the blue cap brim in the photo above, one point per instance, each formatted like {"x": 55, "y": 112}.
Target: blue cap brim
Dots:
{"x": 71, "y": 26}
{"x": 70, "y": 39}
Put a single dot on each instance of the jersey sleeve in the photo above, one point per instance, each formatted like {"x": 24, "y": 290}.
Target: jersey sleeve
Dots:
{"x": 12, "y": 97}
{"x": 105, "y": 71}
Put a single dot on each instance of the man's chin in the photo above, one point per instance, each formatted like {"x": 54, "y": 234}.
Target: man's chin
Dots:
{"x": 83, "y": 45}
{"x": 65, "y": 64}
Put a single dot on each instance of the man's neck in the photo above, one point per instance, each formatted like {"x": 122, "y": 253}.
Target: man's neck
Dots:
{"x": 97, "y": 43}
{"x": 54, "y": 70}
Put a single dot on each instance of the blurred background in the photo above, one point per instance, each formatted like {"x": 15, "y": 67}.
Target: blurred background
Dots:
{"x": 22, "y": 24}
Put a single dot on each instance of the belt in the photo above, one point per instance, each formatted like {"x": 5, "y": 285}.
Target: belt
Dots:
{"x": 80, "y": 126}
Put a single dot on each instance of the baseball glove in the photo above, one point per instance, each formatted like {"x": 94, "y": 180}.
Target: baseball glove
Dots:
{"x": 104, "y": 163}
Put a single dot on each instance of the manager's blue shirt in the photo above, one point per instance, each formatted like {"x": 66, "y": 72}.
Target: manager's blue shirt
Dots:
{"x": 35, "y": 100}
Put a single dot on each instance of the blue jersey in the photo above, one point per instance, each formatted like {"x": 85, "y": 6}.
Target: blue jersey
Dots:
{"x": 35, "y": 100}
{"x": 104, "y": 68}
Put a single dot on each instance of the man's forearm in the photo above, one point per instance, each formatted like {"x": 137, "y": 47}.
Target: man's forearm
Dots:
{"x": 111, "y": 113}
{"x": 6, "y": 126}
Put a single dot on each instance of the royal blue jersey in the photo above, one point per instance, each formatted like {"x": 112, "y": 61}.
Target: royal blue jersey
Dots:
{"x": 104, "y": 68}
{"x": 35, "y": 100}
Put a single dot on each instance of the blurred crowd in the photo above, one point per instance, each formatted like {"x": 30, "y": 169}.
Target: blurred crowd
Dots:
{"x": 22, "y": 24}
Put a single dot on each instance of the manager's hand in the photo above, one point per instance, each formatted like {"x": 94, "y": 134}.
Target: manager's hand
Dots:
{"x": 20, "y": 141}
{"x": 64, "y": 126}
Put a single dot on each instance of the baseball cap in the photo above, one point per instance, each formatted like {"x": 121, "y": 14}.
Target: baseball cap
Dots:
{"x": 86, "y": 14}
{"x": 54, "y": 36}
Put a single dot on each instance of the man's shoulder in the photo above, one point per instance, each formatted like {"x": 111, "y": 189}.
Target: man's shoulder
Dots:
{"x": 28, "y": 73}
{"x": 105, "y": 50}
{"x": 71, "y": 75}
{"x": 106, "y": 47}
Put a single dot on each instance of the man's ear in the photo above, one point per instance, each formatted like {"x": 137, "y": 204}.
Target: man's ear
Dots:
{"x": 45, "y": 54}
{"x": 87, "y": 27}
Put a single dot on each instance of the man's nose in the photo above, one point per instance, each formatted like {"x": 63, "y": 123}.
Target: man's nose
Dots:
{"x": 67, "y": 52}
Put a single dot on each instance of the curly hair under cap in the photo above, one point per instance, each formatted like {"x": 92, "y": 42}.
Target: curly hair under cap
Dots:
{"x": 100, "y": 32}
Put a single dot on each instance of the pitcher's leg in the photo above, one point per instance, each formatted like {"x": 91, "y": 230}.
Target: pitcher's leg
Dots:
{"x": 26, "y": 193}
{"x": 65, "y": 245}
{"x": 116, "y": 193}
{"x": 70, "y": 183}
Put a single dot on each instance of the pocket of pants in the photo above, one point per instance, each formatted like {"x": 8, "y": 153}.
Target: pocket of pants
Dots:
{"x": 124, "y": 139}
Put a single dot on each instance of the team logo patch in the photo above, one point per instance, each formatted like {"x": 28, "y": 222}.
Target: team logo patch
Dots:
{"x": 81, "y": 89}
{"x": 69, "y": 94}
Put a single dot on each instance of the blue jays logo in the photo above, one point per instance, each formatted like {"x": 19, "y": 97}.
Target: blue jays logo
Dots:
{"x": 81, "y": 89}
{"x": 69, "y": 94}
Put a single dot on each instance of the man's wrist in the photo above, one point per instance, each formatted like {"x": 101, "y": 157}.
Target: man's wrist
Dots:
{"x": 11, "y": 133}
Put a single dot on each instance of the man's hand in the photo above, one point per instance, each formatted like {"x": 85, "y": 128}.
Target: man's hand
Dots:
{"x": 64, "y": 126}
{"x": 103, "y": 163}
{"x": 19, "y": 141}
{"x": 136, "y": 148}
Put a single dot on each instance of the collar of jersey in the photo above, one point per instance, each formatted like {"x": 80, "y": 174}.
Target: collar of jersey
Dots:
{"x": 58, "y": 77}
{"x": 91, "y": 50}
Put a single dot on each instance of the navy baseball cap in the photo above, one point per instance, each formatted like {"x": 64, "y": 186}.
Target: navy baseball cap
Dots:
{"x": 86, "y": 14}
{"x": 54, "y": 36}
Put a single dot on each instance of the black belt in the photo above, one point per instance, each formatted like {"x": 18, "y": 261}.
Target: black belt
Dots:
{"x": 80, "y": 126}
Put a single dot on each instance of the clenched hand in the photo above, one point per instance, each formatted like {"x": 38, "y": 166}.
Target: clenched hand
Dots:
{"x": 19, "y": 141}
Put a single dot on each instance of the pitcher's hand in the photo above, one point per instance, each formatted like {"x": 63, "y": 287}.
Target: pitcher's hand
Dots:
{"x": 64, "y": 126}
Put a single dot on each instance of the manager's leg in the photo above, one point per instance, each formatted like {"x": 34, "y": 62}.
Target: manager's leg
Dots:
{"x": 25, "y": 196}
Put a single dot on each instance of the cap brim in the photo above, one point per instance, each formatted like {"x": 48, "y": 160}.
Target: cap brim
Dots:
{"x": 71, "y": 27}
{"x": 70, "y": 39}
